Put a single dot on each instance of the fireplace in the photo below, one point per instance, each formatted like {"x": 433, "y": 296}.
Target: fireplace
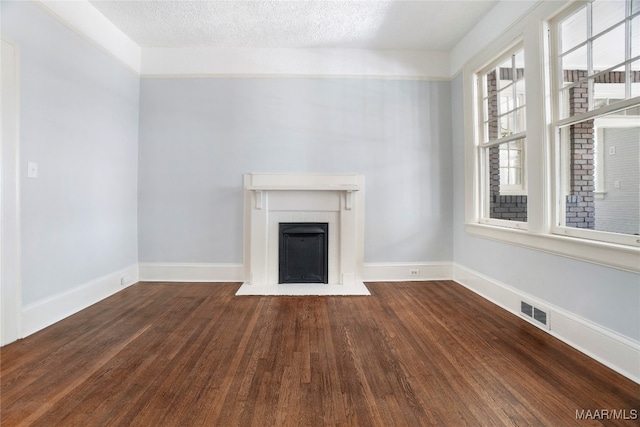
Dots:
{"x": 303, "y": 252}
{"x": 336, "y": 200}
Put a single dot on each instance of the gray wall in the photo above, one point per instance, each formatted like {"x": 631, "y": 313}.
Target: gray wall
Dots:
{"x": 79, "y": 122}
{"x": 199, "y": 136}
{"x": 606, "y": 296}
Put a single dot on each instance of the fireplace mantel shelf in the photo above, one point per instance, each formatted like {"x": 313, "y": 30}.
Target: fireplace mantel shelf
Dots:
{"x": 294, "y": 187}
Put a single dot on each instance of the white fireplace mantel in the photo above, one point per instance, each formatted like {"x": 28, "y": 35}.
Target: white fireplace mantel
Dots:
{"x": 337, "y": 199}
{"x": 293, "y": 187}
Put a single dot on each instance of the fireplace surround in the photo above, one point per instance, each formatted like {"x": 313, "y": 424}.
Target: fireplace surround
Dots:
{"x": 335, "y": 199}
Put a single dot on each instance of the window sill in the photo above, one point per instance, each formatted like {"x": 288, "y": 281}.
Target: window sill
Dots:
{"x": 514, "y": 192}
{"x": 607, "y": 254}
{"x": 503, "y": 223}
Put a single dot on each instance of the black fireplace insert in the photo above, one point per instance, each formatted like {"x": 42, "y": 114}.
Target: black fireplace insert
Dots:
{"x": 303, "y": 252}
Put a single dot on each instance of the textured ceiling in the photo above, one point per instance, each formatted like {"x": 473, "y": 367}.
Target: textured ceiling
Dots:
{"x": 412, "y": 25}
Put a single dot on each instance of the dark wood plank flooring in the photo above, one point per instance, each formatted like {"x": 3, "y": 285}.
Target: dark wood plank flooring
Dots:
{"x": 412, "y": 354}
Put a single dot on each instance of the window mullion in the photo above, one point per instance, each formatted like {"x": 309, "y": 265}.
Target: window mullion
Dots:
{"x": 628, "y": 50}
{"x": 590, "y": 80}
{"x": 622, "y": 105}
{"x": 494, "y": 142}
{"x": 514, "y": 93}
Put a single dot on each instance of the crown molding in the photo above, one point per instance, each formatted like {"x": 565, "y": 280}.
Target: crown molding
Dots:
{"x": 85, "y": 20}
{"x": 312, "y": 62}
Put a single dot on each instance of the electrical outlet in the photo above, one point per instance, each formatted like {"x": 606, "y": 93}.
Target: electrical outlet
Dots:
{"x": 612, "y": 150}
{"x": 124, "y": 280}
{"x": 414, "y": 272}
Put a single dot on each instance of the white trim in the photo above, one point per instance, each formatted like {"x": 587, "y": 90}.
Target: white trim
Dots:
{"x": 10, "y": 281}
{"x": 616, "y": 351}
{"x": 81, "y": 17}
{"x": 589, "y": 234}
{"x": 190, "y": 272}
{"x": 602, "y": 253}
{"x": 312, "y": 62}
{"x": 613, "y": 121}
{"x": 297, "y": 76}
{"x": 597, "y": 114}
{"x": 505, "y": 223}
{"x": 505, "y": 17}
{"x": 46, "y": 312}
{"x": 372, "y": 272}
{"x": 513, "y": 189}
{"x": 401, "y": 271}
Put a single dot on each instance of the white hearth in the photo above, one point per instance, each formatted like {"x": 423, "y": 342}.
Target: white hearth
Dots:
{"x": 337, "y": 199}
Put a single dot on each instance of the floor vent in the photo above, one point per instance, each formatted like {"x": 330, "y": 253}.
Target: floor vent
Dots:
{"x": 534, "y": 313}
{"x": 526, "y": 309}
{"x": 540, "y": 316}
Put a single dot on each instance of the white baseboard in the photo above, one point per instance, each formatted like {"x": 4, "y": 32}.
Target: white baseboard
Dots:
{"x": 46, "y": 312}
{"x": 402, "y": 271}
{"x": 196, "y": 272}
{"x": 190, "y": 272}
{"x": 618, "y": 352}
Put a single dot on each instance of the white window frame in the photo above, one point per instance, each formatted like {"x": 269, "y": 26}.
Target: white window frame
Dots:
{"x": 532, "y": 30}
{"x": 483, "y": 145}
{"x": 560, "y": 124}
{"x": 516, "y": 189}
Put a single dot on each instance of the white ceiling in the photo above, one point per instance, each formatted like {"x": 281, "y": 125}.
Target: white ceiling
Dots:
{"x": 398, "y": 25}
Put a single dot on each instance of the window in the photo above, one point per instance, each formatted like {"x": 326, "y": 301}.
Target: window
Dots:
{"x": 555, "y": 165}
{"x": 502, "y": 142}
{"x": 597, "y": 121}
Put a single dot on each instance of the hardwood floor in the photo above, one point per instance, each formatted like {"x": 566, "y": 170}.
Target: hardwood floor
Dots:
{"x": 411, "y": 354}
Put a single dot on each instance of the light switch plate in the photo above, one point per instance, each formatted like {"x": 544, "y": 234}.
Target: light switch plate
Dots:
{"x": 32, "y": 170}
